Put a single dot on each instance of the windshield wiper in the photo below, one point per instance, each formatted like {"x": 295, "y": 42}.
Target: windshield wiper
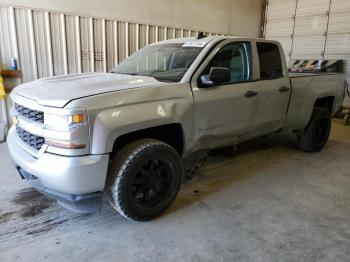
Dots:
{"x": 131, "y": 74}
{"x": 166, "y": 79}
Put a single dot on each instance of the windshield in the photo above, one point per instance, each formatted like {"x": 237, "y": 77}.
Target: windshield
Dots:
{"x": 165, "y": 62}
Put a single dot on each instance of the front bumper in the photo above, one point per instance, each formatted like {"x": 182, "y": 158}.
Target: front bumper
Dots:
{"x": 68, "y": 175}
{"x": 83, "y": 203}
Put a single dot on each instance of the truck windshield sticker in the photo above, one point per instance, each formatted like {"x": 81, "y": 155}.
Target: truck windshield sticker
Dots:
{"x": 194, "y": 44}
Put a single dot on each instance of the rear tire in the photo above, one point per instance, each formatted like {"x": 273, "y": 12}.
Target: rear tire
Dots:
{"x": 143, "y": 179}
{"x": 315, "y": 135}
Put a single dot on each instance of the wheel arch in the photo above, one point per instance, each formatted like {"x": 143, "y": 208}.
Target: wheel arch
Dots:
{"x": 326, "y": 102}
{"x": 171, "y": 134}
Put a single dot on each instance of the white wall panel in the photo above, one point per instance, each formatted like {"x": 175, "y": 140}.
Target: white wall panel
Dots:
{"x": 339, "y": 6}
{"x": 133, "y": 37}
{"x": 170, "y": 33}
{"x": 111, "y": 45}
{"x": 339, "y": 23}
{"x": 187, "y": 33}
{"x": 7, "y": 45}
{"x": 282, "y": 28}
{"x": 279, "y": 24}
{"x": 99, "y": 51}
{"x": 338, "y": 40}
{"x": 58, "y": 44}
{"x": 42, "y": 40}
{"x": 161, "y": 33}
{"x": 121, "y": 41}
{"x": 310, "y": 28}
{"x": 72, "y": 29}
{"x": 87, "y": 62}
{"x": 310, "y": 25}
{"x": 312, "y": 7}
{"x": 286, "y": 44}
{"x": 225, "y": 16}
{"x": 308, "y": 47}
{"x": 142, "y": 35}
{"x": 338, "y": 44}
{"x": 152, "y": 34}
{"x": 26, "y": 46}
{"x": 281, "y": 9}
{"x": 49, "y": 43}
{"x": 177, "y": 33}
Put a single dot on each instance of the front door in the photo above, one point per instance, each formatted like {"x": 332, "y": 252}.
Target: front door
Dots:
{"x": 224, "y": 112}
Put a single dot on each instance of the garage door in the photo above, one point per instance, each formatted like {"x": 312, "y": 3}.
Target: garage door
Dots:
{"x": 311, "y": 29}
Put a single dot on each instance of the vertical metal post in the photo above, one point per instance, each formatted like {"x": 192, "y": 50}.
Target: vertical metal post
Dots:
{"x": 104, "y": 55}
{"x": 126, "y": 39}
{"x": 78, "y": 47}
{"x": 32, "y": 43}
{"x": 166, "y": 33}
{"x": 147, "y": 34}
{"x": 92, "y": 49}
{"x": 49, "y": 42}
{"x": 115, "y": 29}
{"x": 137, "y": 37}
{"x": 64, "y": 43}
{"x": 14, "y": 35}
{"x": 157, "y": 34}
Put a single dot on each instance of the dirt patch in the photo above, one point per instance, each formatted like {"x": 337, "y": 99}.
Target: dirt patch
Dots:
{"x": 6, "y": 217}
{"x": 35, "y": 209}
{"x": 33, "y": 202}
{"x": 27, "y": 195}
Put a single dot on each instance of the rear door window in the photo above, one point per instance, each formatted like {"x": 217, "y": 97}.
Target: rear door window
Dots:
{"x": 269, "y": 61}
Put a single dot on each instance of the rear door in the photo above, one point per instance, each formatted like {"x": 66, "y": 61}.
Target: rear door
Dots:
{"x": 224, "y": 113}
{"x": 273, "y": 87}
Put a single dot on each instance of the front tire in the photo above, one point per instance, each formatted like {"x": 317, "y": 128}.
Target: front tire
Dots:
{"x": 314, "y": 137}
{"x": 143, "y": 179}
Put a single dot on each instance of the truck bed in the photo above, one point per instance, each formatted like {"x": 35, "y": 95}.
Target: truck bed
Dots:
{"x": 308, "y": 87}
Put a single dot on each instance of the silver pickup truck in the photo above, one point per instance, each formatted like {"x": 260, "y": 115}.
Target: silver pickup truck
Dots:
{"x": 133, "y": 134}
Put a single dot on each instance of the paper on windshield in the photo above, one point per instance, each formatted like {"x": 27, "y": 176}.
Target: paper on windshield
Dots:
{"x": 194, "y": 44}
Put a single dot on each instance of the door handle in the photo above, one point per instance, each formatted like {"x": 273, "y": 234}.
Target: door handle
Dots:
{"x": 251, "y": 93}
{"x": 283, "y": 89}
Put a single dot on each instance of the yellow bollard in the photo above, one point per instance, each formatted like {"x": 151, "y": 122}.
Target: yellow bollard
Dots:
{"x": 3, "y": 112}
{"x": 2, "y": 89}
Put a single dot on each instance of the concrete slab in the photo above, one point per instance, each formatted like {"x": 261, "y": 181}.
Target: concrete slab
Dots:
{"x": 265, "y": 201}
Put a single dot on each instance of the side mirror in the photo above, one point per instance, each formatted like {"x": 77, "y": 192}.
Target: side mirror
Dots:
{"x": 217, "y": 75}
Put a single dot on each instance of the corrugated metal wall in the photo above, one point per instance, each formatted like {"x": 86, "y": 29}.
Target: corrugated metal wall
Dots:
{"x": 48, "y": 43}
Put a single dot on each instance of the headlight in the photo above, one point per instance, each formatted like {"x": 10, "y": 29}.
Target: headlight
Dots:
{"x": 63, "y": 122}
{"x": 66, "y": 131}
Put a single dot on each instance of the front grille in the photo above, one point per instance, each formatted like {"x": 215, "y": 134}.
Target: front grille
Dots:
{"x": 34, "y": 115}
{"x": 32, "y": 140}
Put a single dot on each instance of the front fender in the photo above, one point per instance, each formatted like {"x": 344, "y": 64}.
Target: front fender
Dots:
{"x": 112, "y": 123}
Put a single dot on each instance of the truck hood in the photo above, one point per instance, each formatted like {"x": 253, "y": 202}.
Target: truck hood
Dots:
{"x": 60, "y": 90}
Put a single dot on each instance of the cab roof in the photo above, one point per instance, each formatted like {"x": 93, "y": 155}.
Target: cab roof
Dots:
{"x": 206, "y": 39}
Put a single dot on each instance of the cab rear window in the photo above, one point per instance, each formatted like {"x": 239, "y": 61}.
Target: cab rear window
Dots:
{"x": 269, "y": 61}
